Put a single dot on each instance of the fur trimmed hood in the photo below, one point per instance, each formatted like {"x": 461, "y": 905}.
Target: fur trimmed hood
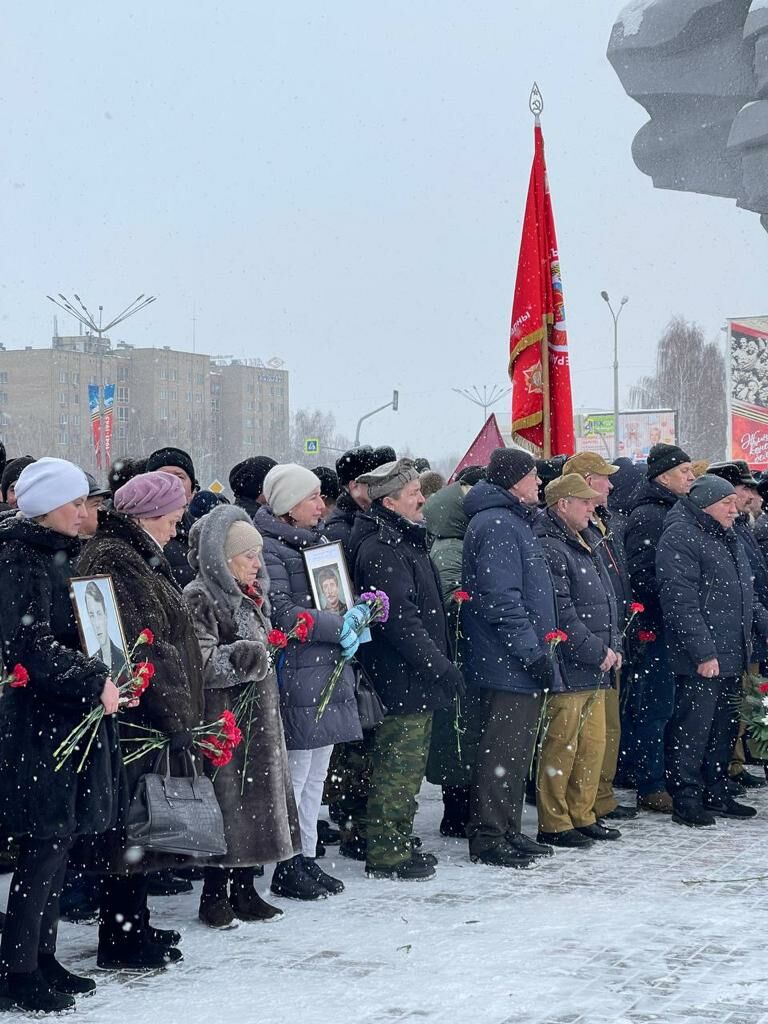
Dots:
{"x": 206, "y": 556}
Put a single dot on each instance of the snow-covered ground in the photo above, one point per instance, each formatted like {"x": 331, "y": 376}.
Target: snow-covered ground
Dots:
{"x": 666, "y": 925}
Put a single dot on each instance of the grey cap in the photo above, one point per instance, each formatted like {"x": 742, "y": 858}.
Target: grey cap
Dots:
{"x": 709, "y": 489}
{"x": 389, "y": 478}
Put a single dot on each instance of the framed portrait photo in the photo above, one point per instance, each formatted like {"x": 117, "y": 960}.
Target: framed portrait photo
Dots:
{"x": 98, "y": 620}
{"x": 329, "y": 578}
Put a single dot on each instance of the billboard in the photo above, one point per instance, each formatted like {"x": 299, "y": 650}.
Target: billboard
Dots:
{"x": 639, "y": 431}
{"x": 748, "y": 390}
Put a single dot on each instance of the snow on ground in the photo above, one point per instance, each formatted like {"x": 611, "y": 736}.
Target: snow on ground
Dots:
{"x": 613, "y": 935}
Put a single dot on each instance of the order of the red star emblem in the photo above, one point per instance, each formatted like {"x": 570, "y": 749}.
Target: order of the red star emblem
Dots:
{"x": 534, "y": 379}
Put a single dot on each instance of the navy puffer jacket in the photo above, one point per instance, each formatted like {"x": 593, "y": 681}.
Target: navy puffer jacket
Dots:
{"x": 304, "y": 669}
{"x": 512, "y": 605}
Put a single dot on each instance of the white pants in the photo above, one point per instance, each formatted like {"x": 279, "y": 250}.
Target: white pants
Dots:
{"x": 308, "y": 771}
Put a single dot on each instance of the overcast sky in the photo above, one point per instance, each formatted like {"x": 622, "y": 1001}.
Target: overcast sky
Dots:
{"x": 342, "y": 185}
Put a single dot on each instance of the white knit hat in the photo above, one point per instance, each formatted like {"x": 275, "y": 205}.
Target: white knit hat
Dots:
{"x": 285, "y": 486}
{"x": 48, "y": 484}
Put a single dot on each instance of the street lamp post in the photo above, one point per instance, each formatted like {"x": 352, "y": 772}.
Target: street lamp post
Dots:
{"x": 615, "y": 315}
{"x": 393, "y": 405}
{"x": 488, "y": 397}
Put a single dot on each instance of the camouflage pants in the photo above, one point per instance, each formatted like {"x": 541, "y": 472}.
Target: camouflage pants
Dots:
{"x": 351, "y": 781}
{"x": 398, "y": 761}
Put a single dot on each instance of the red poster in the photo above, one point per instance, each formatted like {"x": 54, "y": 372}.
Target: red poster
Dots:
{"x": 748, "y": 359}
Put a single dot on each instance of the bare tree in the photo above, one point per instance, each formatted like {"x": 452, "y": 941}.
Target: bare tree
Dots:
{"x": 313, "y": 424}
{"x": 691, "y": 378}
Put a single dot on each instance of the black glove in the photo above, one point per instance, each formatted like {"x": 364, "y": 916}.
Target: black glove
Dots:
{"x": 452, "y": 683}
{"x": 181, "y": 741}
{"x": 543, "y": 671}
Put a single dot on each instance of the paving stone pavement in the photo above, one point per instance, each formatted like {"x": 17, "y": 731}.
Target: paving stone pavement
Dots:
{"x": 662, "y": 927}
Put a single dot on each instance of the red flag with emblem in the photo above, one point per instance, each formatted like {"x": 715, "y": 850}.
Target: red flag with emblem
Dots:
{"x": 540, "y": 399}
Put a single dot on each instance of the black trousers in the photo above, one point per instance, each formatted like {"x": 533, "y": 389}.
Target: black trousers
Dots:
{"x": 32, "y": 917}
{"x": 502, "y": 762}
{"x": 700, "y": 737}
{"x": 124, "y": 915}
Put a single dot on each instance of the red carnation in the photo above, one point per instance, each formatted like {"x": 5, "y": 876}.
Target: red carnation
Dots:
{"x": 140, "y": 684}
{"x": 145, "y": 669}
{"x": 556, "y": 636}
{"x": 146, "y": 636}
{"x": 230, "y": 729}
{"x": 636, "y": 608}
{"x": 646, "y": 636}
{"x": 216, "y": 752}
{"x": 301, "y": 632}
{"x": 277, "y": 638}
{"x": 763, "y": 687}
{"x": 460, "y": 596}
{"x": 307, "y": 619}
{"x": 19, "y": 677}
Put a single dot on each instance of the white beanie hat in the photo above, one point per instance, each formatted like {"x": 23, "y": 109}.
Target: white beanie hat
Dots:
{"x": 48, "y": 484}
{"x": 285, "y": 486}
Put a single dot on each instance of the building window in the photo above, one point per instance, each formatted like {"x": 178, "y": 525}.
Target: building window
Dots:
{"x": 122, "y": 394}
{"x": 198, "y": 398}
{"x": 163, "y": 413}
{"x": 75, "y": 378}
{"x": 122, "y": 373}
{"x": 164, "y": 373}
{"x": 122, "y": 414}
{"x": 172, "y": 395}
{"x": 189, "y": 396}
{"x": 62, "y": 398}
{"x": 63, "y": 437}
{"x": 174, "y": 375}
{"x": 76, "y": 420}
{"x": 3, "y": 398}
{"x": 62, "y": 376}
{"x": 3, "y": 378}
{"x": 63, "y": 420}
{"x": 163, "y": 395}
{"x": 76, "y": 397}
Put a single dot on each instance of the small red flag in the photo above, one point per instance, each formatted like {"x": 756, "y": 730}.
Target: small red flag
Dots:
{"x": 481, "y": 449}
{"x": 538, "y": 310}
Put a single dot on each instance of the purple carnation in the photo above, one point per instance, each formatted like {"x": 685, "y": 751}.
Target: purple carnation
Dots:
{"x": 379, "y": 603}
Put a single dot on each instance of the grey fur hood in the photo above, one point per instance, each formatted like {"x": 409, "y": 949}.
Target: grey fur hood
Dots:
{"x": 206, "y": 555}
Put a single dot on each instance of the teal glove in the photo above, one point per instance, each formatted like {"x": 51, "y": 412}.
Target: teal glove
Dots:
{"x": 348, "y": 639}
{"x": 357, "y": 617}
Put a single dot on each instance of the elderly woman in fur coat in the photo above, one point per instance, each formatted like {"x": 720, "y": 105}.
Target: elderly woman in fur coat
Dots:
{"x": 228, "y": 605}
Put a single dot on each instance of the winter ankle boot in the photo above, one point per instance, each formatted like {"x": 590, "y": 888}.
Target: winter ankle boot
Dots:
{"x": 216, "y": 912}
{"x": 292, "y": 881}
{"x": 246, "y": 902}
{"x": 30, "y": 991}
{"x": 330, "y": 884}
{"x": 455, "y": 812}
{"x": 62, "y": 980}
{"x": 161, "y": 936}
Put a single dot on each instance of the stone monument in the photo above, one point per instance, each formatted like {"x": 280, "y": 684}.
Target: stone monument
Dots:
{"x": 700, "y": 69}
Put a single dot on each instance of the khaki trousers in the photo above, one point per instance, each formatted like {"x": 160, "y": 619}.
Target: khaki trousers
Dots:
{"x": 606, "y": 801}
{"x": 571, "y": 758}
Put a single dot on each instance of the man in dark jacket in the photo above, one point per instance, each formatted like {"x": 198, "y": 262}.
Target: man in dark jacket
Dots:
{"x": 407, "y": 660}
{"x": 707, "y": 600}
{"x": 739, "y": 475}
{"x": 506, "y": 659}
{"x": 178, "y": 463}
{"x": 353, "y": 497}
{"x": 669, "y": 477}
{"x": 247, "y": 482}
{"x": 605, "y": 535}
{"x": 574, "y": 738}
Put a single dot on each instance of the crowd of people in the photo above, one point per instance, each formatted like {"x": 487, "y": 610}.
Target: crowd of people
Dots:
{"x": 555, "y": 629}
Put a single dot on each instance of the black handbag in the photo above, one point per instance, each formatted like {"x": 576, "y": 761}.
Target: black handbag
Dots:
{"x": 176, "y": 814}
{"x": 369, "y": 704}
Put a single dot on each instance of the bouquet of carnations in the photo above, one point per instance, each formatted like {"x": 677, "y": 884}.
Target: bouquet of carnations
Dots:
{"x": 216, "y": 741}
{"x": 753, "y": 706}
{"x": 376, "y": 604}
{"x": 277, "y": 641}
{"x": 138, "y": 675}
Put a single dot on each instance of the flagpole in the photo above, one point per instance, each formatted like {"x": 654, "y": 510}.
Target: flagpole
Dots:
{"x": 536, "y": 106}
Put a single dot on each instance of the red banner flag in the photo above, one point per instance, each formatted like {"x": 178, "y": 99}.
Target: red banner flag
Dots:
{"x": 479, "y": 452}
{"x": 541, "y": 389}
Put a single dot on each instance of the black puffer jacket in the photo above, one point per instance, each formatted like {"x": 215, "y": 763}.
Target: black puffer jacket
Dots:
{"x": 705, "y": 587}
{"x": 177, "y": 550}
{"x": 606, "y": 534}
{"x": 409, "y": 653}
{"x": 641, "y": 538}
{"x": 38, "y": 631}
{"x": 338, "y": 525}
{"x": 304, "y": 669}
{"x": 586, "y": 604}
